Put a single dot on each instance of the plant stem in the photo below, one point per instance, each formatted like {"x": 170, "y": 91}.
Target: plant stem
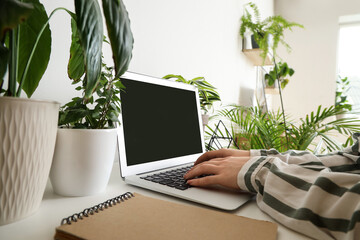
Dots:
{"x": 106, "y": 107}
{"x": 13, "y": 66}
{"x": 282, "y": 104}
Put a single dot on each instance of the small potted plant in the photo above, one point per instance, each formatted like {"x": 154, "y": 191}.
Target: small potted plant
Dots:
{"x": 86, "y": 139}
{"x": 262, "y": 31}
{"x": 207, "y": 93}
{"x": 279, "y": 74}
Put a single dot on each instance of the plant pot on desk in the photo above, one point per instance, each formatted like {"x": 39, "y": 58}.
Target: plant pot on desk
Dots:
{"x": 27, "y": 139}
{"x": 83, "y": 160}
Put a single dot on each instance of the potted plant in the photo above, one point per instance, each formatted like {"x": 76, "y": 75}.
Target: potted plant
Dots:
{"x": 27, "y": 126}
{"x": 267, "y": 33}
{"x": 341, "y": 98}
{"x": 279, "y": 74}
{"x": 86, "y": 140}
{"x": 255, "y": 129}
{"x": 207, "y": 93}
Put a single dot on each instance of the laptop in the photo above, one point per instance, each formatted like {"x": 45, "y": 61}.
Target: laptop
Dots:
{"x": 161, "y": 136}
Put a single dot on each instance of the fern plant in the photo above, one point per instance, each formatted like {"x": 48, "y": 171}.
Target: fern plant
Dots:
{"x": 273, "y": 26}
{"x": 254, "y": 129}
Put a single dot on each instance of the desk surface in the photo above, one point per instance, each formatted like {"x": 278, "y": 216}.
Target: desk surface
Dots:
{"x": 41, "y": 225}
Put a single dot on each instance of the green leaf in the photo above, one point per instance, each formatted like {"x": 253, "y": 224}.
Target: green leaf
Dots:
{"x": 4, "y": 59}
{"x": 73, "y": 115}
{"x": 284, "y": 83}
{"x": 291, "y": 72}
{"x": 120, "y": 35}
{"x": 12, "y": 13}
{"x": 29, "y": 31}
{"x": 76, "y": 65}
{"x": 90, "y": 27}
{"x": 119, "y": 85}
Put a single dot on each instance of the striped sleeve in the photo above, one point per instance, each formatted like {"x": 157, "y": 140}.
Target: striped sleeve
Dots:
{"x": 316, "y": 195}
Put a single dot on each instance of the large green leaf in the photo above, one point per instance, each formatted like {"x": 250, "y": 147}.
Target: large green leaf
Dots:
{"x": 120, "y": 35}
{"x": 12, "y": 13}
{"x": 90, "y": 27}
{"x": 76, "y": 66}
{"x": 29, "y": 30}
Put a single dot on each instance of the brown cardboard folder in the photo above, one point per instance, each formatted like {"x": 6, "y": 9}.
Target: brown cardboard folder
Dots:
{"x": 142, "y": 217}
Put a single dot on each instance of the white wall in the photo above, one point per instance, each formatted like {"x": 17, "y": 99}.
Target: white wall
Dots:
{"x": 314, "y": 52}
{"x": 191, "y": 38}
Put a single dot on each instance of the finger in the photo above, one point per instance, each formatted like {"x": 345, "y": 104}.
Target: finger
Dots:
{"x": 204, "y": 181}
{"x": 212, "y": 154}
{"x": 214, "y": 161}
{"x": 202, "y": 169}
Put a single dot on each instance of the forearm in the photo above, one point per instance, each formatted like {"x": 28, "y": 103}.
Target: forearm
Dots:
{"x": 310, "y": 160}
{"x": 317, "y": 203}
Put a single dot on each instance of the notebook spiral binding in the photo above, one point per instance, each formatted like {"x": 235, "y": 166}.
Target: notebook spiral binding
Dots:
{"x": 95, "y": 209}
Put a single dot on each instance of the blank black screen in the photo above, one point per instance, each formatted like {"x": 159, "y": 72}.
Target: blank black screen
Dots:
{"x": 159, "y": 122}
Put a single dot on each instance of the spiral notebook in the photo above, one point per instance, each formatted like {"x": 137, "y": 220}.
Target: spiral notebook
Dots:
{"x": 134, "y": 216}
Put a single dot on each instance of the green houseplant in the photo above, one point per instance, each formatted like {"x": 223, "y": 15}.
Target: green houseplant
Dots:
{"x": 281, "y": 72}
{"x": 207, "y": 93}
{"x": 29, "y": 43}
{"x": 268, "y": 34}
{"x": 27, "y": 126}
{"x": 254, "y": 129}
{"x": 342, "y": 86}
{"x": 87, "y": 134}
{"x": 262, "y": 30}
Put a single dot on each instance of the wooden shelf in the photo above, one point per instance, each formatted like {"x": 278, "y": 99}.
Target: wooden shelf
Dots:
{"x": 272, "y": 90}
{"x": 256, "y": 59}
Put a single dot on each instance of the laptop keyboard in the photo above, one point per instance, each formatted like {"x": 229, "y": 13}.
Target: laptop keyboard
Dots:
{"x": 173, "y": 178}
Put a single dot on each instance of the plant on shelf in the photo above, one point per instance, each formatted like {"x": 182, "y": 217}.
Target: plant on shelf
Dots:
{"x": 341, "y": 98}
{"x": 280, "y": 72}
{"x": 254, "y": 129}
{"x": 268, "y": 34}
{"x": 207, "y": 92}
{"x": 262, "y": 30}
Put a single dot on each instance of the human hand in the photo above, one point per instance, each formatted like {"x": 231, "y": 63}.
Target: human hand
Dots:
{"x": 223, "y": 166}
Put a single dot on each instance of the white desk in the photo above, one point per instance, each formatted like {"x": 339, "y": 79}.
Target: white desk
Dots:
{"x": 53, "y": 208}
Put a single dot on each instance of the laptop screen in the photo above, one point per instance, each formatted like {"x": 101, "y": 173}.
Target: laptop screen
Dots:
{"x": 159, "y": 122}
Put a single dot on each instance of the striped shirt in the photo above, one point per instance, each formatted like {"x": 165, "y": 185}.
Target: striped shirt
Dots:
{"x": 316, "y": 195}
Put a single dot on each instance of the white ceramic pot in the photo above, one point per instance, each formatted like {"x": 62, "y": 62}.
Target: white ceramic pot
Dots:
{"x": 83, "y": 160}
{"x": 27, "y": 139}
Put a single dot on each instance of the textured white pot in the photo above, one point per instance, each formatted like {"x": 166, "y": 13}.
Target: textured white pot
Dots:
{"x": 83, "y": 160}
{"x": 27, "y": 139}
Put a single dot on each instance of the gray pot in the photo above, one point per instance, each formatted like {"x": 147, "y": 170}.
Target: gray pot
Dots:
{"x": 27, "y": 140}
